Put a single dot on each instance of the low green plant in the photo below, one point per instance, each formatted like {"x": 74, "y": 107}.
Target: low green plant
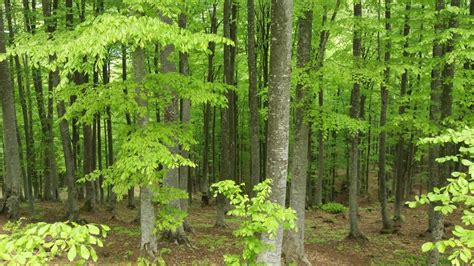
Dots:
{"x": 259, "y": 215}
{"x": 333, "y": 207}
{"x": 38, "y": 243}
{"x": 458, "y": 193}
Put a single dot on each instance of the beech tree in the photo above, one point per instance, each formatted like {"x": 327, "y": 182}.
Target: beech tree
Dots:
{"x": 279, "y": 116}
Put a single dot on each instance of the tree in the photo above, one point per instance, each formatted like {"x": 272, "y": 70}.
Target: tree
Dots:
{"x": 382, "y": 173}
{"x": 278, "y": 116}
{"x": 253, "y": 96}
{"x": 148, "y": 244}
{"x": 294, "y": 243}
{"x": 354, "y": 114}
{"x": 12, "y": 157}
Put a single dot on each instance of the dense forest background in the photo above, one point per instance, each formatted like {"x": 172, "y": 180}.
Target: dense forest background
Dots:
{"x": 139, "y": 114}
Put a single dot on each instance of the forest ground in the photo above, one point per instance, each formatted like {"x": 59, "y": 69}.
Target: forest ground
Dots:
{"x": 326, "y": 242}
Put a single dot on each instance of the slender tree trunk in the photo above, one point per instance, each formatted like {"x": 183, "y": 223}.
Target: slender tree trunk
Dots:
{"x": 253, "y": 97}
{"x": 204, "y": 184}
{"x": 171, "y": 114}
{"x": 401, "y": 150}
{"x": 227, "y": 163}
{"x": 354, "y": 140}
{"x": 278, "y": 117}
{"x": 88, "y": 165}
{"x": 51, "y": 175}
{"x": 441, "y": 108}
{"x": 30, "y": 159}
{"x": 382, "y": 174}
{"x": 185, "y": 119}
{"x": 149, "y": 243}
{"x": 131, "y": 191}
{"x": 11, "y": 154}
{"x": 294, "y": 242}
{"x": 436, "y": 219}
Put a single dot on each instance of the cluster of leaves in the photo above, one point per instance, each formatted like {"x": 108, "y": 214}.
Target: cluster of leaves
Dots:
{"x": 459, "y": 192}
{"x": 38, "y": 243}
{"x": 120, "y": 95}
{"x": 259, "y": 215}
{"x": 96, "y": 35}
{"x": 145, "y": 157}
{"x": 169, "y": 217}
{"x": 333, "y": 207}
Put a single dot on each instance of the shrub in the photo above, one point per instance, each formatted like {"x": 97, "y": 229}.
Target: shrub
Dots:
{"x": 38, "y": 243}
{"x": 458, "y": 193}
{"x": 333, "y": 207}
{"x": 259, "y": 214}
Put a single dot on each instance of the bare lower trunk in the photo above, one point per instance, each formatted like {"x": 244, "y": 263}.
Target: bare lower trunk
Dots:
{"x": 278, "y": 117}
{"x": 149, "y": 243}
{"x": 12, "y": 157}
{"x": 294, "y": 241}
{"x": 73, "y": 208}
{"x": 354, "y": 140}
{"x": 253, "y": 97}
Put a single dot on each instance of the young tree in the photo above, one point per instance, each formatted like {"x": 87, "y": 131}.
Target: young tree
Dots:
{"x": 278, "y": 116}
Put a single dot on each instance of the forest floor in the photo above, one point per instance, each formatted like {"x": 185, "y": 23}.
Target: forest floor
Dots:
{"x": 326, "y": 242}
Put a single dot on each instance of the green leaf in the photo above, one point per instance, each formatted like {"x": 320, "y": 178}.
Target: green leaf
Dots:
{"x": 93, "y": 229}
{"x": 71, "y": 255}
{"x": 85, "y": 254}
{"x": 427, "y": 246}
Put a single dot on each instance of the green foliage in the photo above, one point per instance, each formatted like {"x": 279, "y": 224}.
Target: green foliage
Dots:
{"x": 38, "y": 243}
{"x": 169, "y": 217}
{"x": 333, "y": 207}
{"x": 259, "y": 214}
{"x": 458, "y": 193}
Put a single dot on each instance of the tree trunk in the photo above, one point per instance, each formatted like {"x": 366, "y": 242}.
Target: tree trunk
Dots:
{"x": 204, "y": 184}
{"x": 382, "y": 174}
{"x": 253, "y": 97}
{"x": 30, "y": 158}
{"x": 294, "y": 242}
{"x": 148, "y": 244}
{"x": 171, "y": 114}
{"x": 354, "y": 140}
{"x": 88, "y": 165}
{"x": 278, "y": 116}
{"x": 441, "y": 108}
{"x": 401, "y": 150}
{"x": 185, "y": 119}
{"x": 12, "y": 157}
{"x": 51, "y": 175}
{"x": 227, "y": 163}
{"x": 436, "y": 219}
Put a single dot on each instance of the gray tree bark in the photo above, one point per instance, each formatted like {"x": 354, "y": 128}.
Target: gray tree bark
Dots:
{"x": 294, "y": 241}
{"x": 354, "y": 140}
{"x": 10, "y": 133}
{"x": 278, "y": 116}
{"x": 148, "y": 243}
{"x": 171, "y": 114}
